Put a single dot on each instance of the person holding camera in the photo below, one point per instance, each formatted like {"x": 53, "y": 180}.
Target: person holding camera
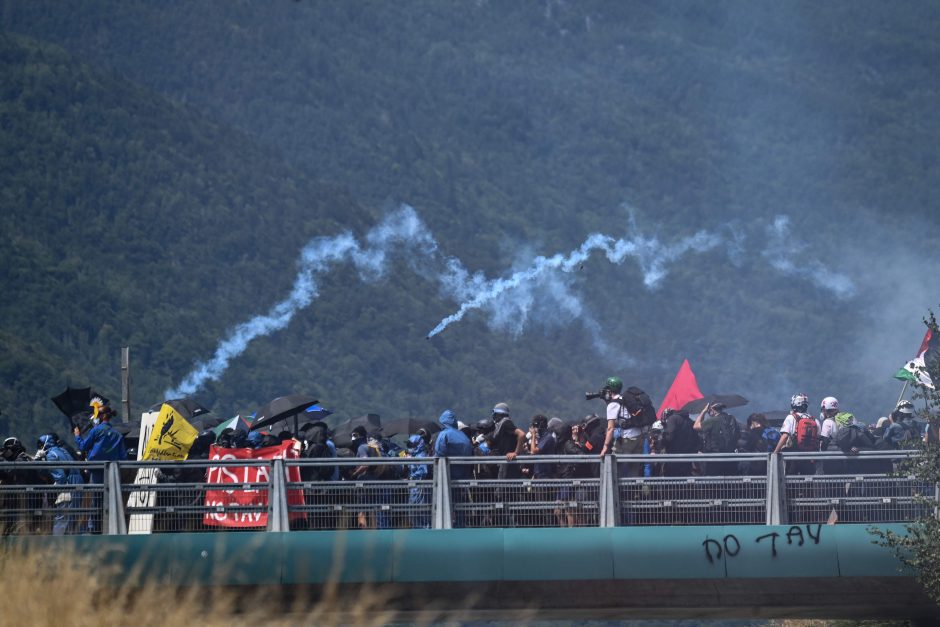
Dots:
{"x": 629, "y": 440}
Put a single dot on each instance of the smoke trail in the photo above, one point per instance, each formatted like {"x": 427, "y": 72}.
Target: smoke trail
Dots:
{"x": 542, "y": 284}
{"x": 652, "y": 256}
{"x": 787, "y": 256}
{"x": 317, "y": 257}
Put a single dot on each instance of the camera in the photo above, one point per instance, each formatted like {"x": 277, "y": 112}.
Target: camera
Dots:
{"x": 604, "y": 393}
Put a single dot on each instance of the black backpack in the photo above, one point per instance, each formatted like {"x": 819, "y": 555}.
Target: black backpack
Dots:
{"x": 723, "y": 436}
{"x": 595, "y": 430}
{"x": 637, "y": 409}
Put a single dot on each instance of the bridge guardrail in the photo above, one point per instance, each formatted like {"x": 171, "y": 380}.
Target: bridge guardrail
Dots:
{"x": 283, "y": 495}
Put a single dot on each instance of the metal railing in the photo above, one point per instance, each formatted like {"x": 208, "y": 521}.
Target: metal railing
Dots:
{"x": 439, "y": 493}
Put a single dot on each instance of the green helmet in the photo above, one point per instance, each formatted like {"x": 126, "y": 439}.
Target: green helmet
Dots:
{"x": 614, "y": 384}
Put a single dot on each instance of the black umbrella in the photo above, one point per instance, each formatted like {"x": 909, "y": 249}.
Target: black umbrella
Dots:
{"x": 185, "y": 407}
{"x": 728, "y": 400}
{"x": 408, "y": 426}
{"x": 74, "y": 401}
{"x": 281, "y": 408}
{"x": 370, "y": 422}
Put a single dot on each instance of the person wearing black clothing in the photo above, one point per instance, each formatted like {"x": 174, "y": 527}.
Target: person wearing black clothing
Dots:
{"x": 508, "y": 441}
{"x": 570, "y": 497}
{"x": 753, "y": 440}
{"x": 678, "y": 437}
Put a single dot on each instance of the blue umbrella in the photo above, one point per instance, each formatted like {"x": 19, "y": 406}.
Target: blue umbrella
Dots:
{"x": 316, "y": 412}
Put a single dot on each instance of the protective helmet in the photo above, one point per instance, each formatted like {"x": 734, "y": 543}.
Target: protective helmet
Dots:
{"x": 830, "y": 402}
{"x": 501, "y": 409}
{"x": 657, "y": 426}
{"x": 905, "y": 407}
{"x": 414, "y": 441}
{"x": 486, "y": 425}
{"x": 12, "y": 442}
{"x": 799, "y": 401}
{"x": 614, "y": 384}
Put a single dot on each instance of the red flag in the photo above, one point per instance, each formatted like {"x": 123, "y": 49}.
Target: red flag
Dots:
{"x": 683, "y": 389}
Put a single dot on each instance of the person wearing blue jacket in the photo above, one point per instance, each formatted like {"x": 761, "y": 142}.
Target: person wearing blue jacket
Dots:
{"x": 50, "y": 449}
{"x": 102, "y": 443}
{"x": 419, "y": 495}
{"x": 451, "y": 442}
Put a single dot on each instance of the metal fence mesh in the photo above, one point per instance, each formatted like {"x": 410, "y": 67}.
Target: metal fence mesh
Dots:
{"x": 857, "y": 499}
{"x": 40, "y": 509}
{"x": 693, "y": 500}
{"x": 490, "y": 492}
{"x": 399, "y": 504}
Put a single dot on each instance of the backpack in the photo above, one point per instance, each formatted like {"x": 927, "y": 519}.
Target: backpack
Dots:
{"x": 769, "y": 438}
{"x": 595, "y": 428}
{"x": 723, "y": 436}
{"x": 637, "y": 409}
{"x": 807, "y": 433}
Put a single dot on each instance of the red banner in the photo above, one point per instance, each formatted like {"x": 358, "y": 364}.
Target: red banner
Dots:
{"x": 223, "y": 499}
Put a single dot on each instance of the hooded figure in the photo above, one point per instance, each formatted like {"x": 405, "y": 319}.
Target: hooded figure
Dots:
{"x": 419, "y": 494}
{"x": 452, "y": 443}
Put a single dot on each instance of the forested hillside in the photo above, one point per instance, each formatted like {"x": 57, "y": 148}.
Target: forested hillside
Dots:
{"x": 159, "y": 185}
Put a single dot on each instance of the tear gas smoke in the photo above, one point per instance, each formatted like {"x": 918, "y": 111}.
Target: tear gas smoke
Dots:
{"x": 509, "y": 301}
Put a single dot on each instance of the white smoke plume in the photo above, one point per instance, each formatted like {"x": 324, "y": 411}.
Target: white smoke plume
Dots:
{"x": 789, "y": 256}
{"x": 400, "y": 227}
{"x": 543, "y": 283}
{"x": 653, "y": 257}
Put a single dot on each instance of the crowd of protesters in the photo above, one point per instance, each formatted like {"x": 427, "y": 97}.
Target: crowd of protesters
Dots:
{"x": 628, "y": 427}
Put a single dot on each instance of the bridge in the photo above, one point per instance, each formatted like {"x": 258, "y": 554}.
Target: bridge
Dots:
{"x": 606, "y": 545}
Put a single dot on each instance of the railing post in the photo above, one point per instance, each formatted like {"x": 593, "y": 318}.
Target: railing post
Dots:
{"x": 441, "y": 505}
{"x": 608, "y": 513}
{"x": 278, "y": 519}
{"x": 777, "y": 510}
{"x": 113, "y": 502}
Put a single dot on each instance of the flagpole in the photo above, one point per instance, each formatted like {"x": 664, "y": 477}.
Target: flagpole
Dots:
{"x": 903, "y": 390}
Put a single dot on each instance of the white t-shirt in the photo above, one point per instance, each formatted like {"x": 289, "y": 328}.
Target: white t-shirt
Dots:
{"x": 613, "y": 413}
{"x": 829, "y": 428}
{"x": 789, "y": 425}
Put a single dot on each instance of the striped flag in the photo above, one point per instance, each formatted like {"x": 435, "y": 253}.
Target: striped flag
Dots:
{"x": 928, "y": 357}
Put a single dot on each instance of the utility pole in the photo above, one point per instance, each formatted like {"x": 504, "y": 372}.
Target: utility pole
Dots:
{"x": 126, "y": 382}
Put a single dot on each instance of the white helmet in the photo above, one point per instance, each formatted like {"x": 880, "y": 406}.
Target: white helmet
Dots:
{"x": 830, "y": 402}
{"x": 799, "y": 400}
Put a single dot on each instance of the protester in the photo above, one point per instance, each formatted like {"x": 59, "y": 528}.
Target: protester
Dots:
{"x": 901, "y": 432}
{"x": 720, "y": 434}
{"x": 799, "y": 433}
{"x": 508, "y": 441}
{"x": 678, "y": 438}
{"x": 452, "y": 443}
{"x": 828, "y": 427}
{"x": 101, "y": 443}
{"x": 569, "y": 497}
{"x": 13, "y": 504}
{"x": 419, "y": 494}
{"x": 757, "y": 437}
{"x": 541, "y": 442}
{"x": 51, "y": 450}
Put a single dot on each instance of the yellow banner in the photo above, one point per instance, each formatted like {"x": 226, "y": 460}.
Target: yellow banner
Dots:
{"x": 172, "y": 436}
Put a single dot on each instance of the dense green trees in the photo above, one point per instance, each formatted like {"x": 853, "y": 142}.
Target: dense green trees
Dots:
{"x": 163, "y": 167}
